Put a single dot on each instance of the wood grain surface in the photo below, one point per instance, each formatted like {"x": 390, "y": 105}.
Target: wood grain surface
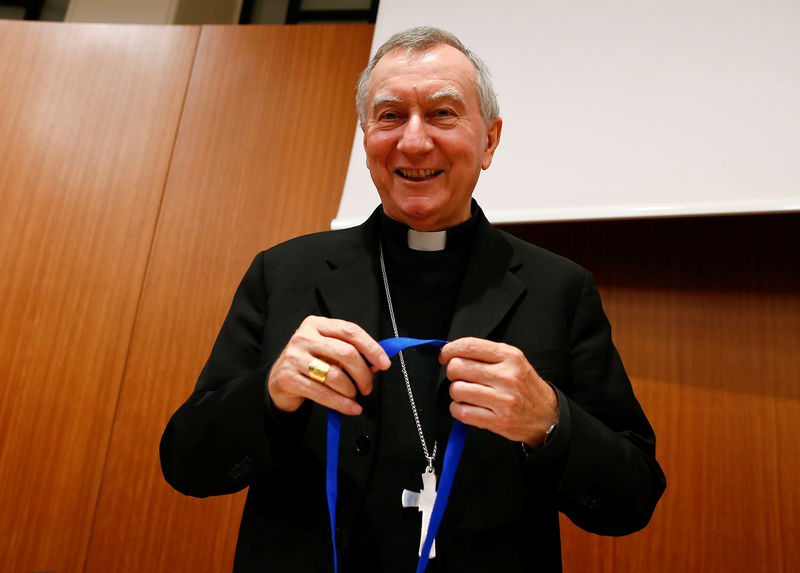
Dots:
{"x": 706, "y": 315}
{"x": 261, "y": 157}
{"x": 88, "y": 116}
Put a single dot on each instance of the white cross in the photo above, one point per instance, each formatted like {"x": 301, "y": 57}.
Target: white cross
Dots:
{"x": 424, "y": 501}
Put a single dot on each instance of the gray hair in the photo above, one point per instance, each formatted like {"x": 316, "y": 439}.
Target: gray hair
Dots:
{"x": 418, "y": 40}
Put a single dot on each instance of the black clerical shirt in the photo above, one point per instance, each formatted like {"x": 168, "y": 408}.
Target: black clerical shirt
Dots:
{"x": 424, "y": 287}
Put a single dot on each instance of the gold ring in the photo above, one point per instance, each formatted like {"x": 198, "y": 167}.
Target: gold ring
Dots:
{"x": 318, "y": 370}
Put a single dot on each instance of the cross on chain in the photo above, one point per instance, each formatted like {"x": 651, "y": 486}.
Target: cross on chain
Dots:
{"x": 424, "y": 501}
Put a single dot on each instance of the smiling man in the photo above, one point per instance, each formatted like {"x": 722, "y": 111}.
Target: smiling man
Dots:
{"x": 530, "y": 368}
{"x": 425, "y": 137}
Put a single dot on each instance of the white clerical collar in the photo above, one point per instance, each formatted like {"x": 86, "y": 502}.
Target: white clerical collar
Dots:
{"x": 427, "y": 241}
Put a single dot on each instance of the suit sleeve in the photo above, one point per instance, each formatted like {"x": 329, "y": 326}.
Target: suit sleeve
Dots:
{"x": 608, "y": 479}
{"x": 218, "y": 439}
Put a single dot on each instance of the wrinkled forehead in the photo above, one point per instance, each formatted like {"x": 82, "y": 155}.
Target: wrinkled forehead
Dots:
{"x": 438, "y": 71}
{"x": 442, "y": 54}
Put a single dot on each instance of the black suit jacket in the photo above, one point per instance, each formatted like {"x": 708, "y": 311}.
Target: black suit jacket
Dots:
{"x": 600, "y": 468}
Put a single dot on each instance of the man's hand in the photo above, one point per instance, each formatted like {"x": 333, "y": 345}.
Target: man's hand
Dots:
{"x": 345, "y": 346}
{"x": 494, "y": 387}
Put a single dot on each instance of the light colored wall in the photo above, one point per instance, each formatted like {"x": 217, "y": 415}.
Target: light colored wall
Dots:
{"x": 269, "y": 11}
{"x": 122, "y": 11}
{"x": 208, "y": 12}
{"x": 155, "y": 11}
{"x": 54, "y": 10}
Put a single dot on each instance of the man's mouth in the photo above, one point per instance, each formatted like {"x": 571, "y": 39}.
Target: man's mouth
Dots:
{"x": 418, "y": 174}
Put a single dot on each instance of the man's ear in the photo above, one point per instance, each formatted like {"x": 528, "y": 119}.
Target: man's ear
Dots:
{"x": 492, "y": 141}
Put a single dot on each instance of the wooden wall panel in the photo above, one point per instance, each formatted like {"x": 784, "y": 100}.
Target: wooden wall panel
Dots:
{"x": 88, "y": 116}
{"x": 261, "y": 156}
{"x": 706, "y": 314}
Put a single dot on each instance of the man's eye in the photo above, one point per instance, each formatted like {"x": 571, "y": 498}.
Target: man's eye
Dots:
{"x": 444, "y": 113}
{"x": 388, "y": 116}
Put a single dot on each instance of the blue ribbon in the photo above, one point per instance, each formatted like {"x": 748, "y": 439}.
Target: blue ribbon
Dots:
{"x": 452, "y": 455}
{"x": 331, "y": 475}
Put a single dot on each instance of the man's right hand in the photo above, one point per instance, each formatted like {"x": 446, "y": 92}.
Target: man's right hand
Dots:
{"x": 345, "y": 346}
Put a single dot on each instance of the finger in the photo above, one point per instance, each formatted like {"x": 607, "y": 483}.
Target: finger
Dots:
{"x": 473, "y": 415}
{"x": 358, "y": 337}
{"x": 499, "y": 421}
{"x": 338, "y": 381}
{"x": 503, "y": 376}
{"x": 324, "y": 395}
{"x": 476, "y": 349}
{"x": 503, "y": 406}
{"x": 343, "y": 355}
{"x": 478, "y": 395}
{"x": 470, "y": 370}
{"x": 340, "y": 342}
{"x": 289, "y": 387}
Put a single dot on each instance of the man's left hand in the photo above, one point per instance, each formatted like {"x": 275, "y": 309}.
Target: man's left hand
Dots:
{"x": 494, "y": 387}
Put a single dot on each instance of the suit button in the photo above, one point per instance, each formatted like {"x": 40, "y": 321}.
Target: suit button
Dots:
{"x": 363, "y": 445}
{"x": 584, "y": 498}
{"x": 242, "y": 468}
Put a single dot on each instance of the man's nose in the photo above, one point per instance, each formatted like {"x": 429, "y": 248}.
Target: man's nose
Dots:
{"x": 415, "y": 137}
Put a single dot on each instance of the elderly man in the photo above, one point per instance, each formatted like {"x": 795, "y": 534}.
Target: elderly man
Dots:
{"x": 530, "y": 368}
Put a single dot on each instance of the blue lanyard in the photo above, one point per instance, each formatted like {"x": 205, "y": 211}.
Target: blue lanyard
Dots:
{"x": 452, "y": 455}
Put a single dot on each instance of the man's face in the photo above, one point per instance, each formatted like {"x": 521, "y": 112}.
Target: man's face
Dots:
{"x": 425, "y": 139}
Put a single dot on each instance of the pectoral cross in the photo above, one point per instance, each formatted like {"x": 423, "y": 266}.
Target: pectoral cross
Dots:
{"x": 424, "y": 501}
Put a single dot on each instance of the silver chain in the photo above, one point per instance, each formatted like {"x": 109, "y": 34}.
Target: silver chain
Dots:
{"x": 429, "y": 457}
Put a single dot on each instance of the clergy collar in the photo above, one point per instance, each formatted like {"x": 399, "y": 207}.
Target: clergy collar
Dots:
{"x": 426, "y": 240}
{"x": 396, "y": 233}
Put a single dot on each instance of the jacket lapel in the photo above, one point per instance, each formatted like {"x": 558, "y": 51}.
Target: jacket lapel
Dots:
{"x": 489, "y": 289}
{"x": 349, "y": 290}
